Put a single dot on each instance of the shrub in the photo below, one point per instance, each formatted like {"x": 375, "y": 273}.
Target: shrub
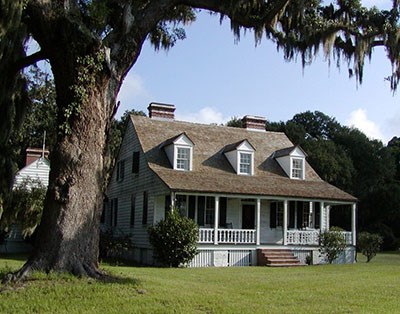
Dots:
{"x": 369, "y": 244}
{"x": 332, "y": 243}
{"x": 174, "y": 239}
{"x": 112, "y": 245}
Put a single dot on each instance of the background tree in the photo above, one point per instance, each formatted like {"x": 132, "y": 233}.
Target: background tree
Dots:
{"x": 91, "y": 45}
{"x": 369, "y": 244}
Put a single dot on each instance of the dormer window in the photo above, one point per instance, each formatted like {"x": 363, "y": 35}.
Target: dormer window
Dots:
{"x": 245, "y": 163}
{"x": 183, "y": 158}
{"x": 180, "y": 152}
{"x": 292, "y": 161}
{"x": 241, "y": 157}
{"x": 297, "y": 168}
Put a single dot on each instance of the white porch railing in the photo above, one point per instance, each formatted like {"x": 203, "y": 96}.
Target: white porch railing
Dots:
{"x": 302, "y": 237}
{"x": 311, "y": 237}
{"x": 235, "y": 236}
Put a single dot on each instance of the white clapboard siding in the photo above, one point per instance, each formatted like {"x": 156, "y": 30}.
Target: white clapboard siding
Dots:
{"x": 36, "y": 171}
{"x": 136, "y": 184}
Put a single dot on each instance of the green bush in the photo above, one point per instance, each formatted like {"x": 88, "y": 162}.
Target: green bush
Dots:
{"x": 332, "y": 243}
{"x": 114, "y": 246}
{"x": 369, "y": 244}
{"x": 174, "y": 239}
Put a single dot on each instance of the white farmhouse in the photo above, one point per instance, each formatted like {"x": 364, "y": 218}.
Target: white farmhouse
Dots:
{"x": 253, "y": 194}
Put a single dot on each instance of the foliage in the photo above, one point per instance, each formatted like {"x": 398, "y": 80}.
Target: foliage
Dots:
{"x": 369, "y": 244}
{"x": 322, "y": 289}
{"x": 174, "y": 239}
{"x": 114, "y": 245}
{"x": 235, "y": 122}
{"x": 332, "y": 243}
{"x": 24, "y": 206}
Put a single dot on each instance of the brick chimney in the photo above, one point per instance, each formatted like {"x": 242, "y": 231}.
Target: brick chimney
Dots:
{"x": 161, "y": 111}
{"x": 33, "y": 154}
{"x": 254, "y": 123}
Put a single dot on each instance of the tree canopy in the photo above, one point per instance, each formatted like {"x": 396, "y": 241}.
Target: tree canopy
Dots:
{"x": 92, "y": 44}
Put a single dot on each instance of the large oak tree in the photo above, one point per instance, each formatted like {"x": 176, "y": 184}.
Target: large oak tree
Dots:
{"x": 92, "y": 44}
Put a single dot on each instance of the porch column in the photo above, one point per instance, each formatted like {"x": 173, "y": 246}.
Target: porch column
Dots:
{"x": 173, "y": 201}
{"x": 310, "y": 216}
{"x": 321, "y": 216}
{"x": 285, "y": 221}
{"x": 216, "y": 220}
{"x": 258, "y": 221}
{"x": 353, "y": 223}
{"x": 328, "y": 214}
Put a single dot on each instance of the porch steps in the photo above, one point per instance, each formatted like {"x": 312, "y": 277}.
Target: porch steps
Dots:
{"x": 277, "y": 258}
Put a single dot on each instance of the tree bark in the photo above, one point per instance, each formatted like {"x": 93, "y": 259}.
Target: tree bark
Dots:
{"x": 68, "y": 235}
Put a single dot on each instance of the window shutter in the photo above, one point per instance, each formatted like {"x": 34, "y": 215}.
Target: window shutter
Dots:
{"x": 292, "y": 206}
{"x": 135, "y": 162}
{"x": 145, "y": 207}
{"x": 222, "y": 211}
{"x": 317, "y": 215}
{"x": 133, "y": 210}
{"x": 201, "y": 202}
{"x": 192, "y": 207}
{"x": 300, "y": 214}
{"x": 167, "y": 204}
{"x": 115, "y": 212}
{"x": 272, "y": 216}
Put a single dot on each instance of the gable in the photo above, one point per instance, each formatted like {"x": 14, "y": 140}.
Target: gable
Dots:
{"x": 37, "y": 170}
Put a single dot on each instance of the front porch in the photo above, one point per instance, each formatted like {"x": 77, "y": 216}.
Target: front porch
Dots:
{"x": 255, "y": 221}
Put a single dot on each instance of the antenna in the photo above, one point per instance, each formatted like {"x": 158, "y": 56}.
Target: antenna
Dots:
{"x": 44, "y": 143}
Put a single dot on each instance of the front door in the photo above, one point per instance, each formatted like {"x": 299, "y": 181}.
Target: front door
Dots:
{"x": 248, "y": 216}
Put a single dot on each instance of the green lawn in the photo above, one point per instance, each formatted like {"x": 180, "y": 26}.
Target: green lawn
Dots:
{"x": 358, "y": 288}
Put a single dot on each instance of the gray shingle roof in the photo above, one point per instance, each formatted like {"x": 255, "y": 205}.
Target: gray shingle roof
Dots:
{"x": 212, "y": 172}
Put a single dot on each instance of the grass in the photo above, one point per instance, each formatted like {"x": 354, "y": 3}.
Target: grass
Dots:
{"x": 358, "y": 288}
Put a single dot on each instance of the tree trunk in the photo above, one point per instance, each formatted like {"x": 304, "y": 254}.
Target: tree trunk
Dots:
{"x": 68, "y": 236}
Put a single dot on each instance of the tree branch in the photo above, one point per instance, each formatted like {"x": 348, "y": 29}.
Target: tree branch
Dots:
{"x": 28, "y": 60}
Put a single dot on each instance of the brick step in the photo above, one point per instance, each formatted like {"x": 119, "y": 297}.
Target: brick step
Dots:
{"x": 277, "y": 258}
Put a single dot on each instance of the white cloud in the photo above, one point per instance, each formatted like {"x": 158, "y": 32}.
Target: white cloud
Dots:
{"x": 358, "y": 119}
{"x": 133, "y": 92}
{"x": 206, "y": 115}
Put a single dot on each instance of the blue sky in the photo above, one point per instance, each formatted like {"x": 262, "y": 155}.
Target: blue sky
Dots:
{"x": 210, "y": 78}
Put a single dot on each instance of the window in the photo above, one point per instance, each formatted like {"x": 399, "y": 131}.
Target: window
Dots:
{"x": 114, "y": 212}
{"x": 245, "y": 163}
{"x": 133, "y": 209}
{"x": 145, "y": 207}
{"x": 120, "y": 170}
{"x": 135, "y": 162}
{"x": 276, "y": 215}
{"x": 183, "y": 158}
{"x": 181, "y": 204}
{"x": 297, "y": 168}
{"x": 210, "y": 210}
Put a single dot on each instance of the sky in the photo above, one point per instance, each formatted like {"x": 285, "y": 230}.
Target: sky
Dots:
{"x": 210, "y": 79}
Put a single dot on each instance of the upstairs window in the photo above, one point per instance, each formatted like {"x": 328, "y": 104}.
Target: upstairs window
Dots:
{"x": 183, "y": 158}
{"x": 135, "y": 162}
{"x": 297, "y": 168}
{"x": 120, "y": 170}
{"x": 245, "y": 163}
{"x": 179, "y": 150}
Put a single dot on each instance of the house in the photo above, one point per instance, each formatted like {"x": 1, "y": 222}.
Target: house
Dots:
{"x": 252, "y": 192}
{"x": 36, "y": 170}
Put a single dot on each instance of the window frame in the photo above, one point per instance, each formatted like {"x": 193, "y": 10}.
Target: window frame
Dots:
{"x": 120, "y": 170}
{"x": 248, "y": 164}
{"x": 187, "y": 160}
{"x": 298, "y": 169}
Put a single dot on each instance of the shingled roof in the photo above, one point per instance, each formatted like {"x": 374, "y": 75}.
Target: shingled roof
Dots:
{"x": 212, "y": 172}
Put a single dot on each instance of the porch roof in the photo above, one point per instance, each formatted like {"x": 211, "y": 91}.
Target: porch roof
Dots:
{"x": 212, "y": 172}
